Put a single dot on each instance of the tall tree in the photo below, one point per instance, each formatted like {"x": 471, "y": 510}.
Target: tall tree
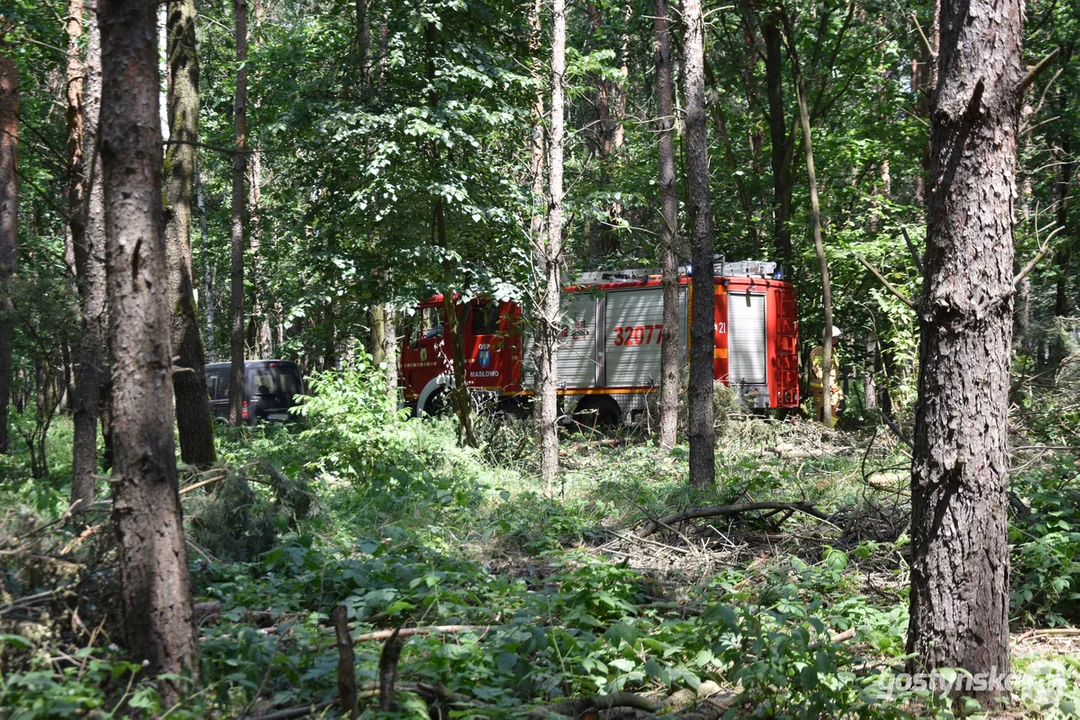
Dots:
{"x": 550, "y": 257}
{"x": 146, "y": 505}
{"x": 669, "y": 221}
{"x": 239, "y": 168}
{"x": 193, "y": 417}
{"x": 815, "y": 216}
{"x": 960, "y": 554}
{"x": 701, "y": 433}
{"x": 87, "y": 223}
{"x": 781, "y": 150}
{"x": 9, "y": 221}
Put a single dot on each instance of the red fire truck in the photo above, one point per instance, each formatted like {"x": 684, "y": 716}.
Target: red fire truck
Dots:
{"x": 609, "y": 357}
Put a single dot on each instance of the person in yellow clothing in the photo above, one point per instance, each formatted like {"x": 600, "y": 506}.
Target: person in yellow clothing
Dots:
{"x": 817, "y": 384}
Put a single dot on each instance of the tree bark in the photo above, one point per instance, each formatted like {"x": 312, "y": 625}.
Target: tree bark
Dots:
{"x": 146, "y": 505}
{"x": 547, "y": 309}
{"x": 239, "y": 168}
{"x": 260, "y": 306}
{"x": 781, "y": 163}
{"x": 669, "y": 227}
{"x": 208, "y": 268}
{"x": 701, "y": 433}
{"x": 819, "y": 245}
{"x": 960, "y": 555}
{"x": 84, "y": 212}
{"x": 9, "y": 222}
{"x": 193, "y": 417}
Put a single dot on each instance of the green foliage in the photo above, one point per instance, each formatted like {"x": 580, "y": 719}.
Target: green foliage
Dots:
{"x": 1046, "y": 549}
{"x": 354, "y": 426}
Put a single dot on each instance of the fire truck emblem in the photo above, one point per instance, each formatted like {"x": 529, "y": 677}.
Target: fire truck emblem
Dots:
{"x": 423, "y": 354}
{"x": 485, "y": 358}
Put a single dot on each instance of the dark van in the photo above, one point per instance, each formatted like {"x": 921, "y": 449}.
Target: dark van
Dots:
{"x": 270, "y": 389}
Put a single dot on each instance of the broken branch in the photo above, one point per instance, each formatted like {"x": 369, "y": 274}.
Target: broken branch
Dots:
{"x": 727, "y": 510}
{"x": 881, "y": 278}
{"x": 409, "y": 632}
{"x": 1036, "y": 71}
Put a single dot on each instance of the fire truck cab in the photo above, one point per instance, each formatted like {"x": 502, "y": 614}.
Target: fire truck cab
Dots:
{"x": 609, "y": 357}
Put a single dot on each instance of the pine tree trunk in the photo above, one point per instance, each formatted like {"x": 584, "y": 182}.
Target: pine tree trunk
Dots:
{"x": 239, "y": 168}
{"x": 9, "y": 224}
{"x": 547, "y": 309}
{"x": 146, "y": 505}
{"x": 781, "y": 163}
{"x": 960, "y": 554}
{"x": 701, "y": 432}
{"x": 669, "y": 223}
{"x": 193, "y": 417}
{"x": 85, "y": 199}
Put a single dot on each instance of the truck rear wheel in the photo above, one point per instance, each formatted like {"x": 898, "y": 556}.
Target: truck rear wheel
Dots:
{"x": 597, "y": 412}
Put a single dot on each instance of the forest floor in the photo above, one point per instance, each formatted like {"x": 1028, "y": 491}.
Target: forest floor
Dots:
{"x": 788, "y": 600}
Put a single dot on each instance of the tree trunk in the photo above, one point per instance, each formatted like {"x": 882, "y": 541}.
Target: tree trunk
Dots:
{"x": 85, "y": 197}
{"x": 9, "y": 223}
{"x": 208, "y": 269}
{"x": 193, "y": 417}
{"x": 146, "y": 505}
{"x": 781, "y": 164}
{"x": 263, "y": 341}
{"x": 960, "y": 554}
{"x": 701, "y": 433}
{"x": 819, "y": 245}
{"x": 547, "y": 309}
{"x": 670, "y": 370}
{"x": 239, "y": 167}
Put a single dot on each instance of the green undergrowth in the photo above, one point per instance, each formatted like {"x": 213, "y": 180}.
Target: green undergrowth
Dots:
{"x": 360, "y": 506}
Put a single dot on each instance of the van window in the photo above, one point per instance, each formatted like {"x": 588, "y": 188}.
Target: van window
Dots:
{"x": 485, "y": 318}
{"x": 217, "y": 384}
{"x": 273, "y": 379}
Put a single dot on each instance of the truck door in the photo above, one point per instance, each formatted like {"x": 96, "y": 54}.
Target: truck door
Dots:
{"x": 747, "y": 367}
{"x": 484, "y": 347}
{"x": 422, "y": 350}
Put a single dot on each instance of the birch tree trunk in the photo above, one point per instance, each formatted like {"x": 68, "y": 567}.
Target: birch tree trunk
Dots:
{"x": 146, "y": 505}
{"x": 239, "y": 168}
{"x": 828, "y": 379}
{"x": 959, "y": 614}
{"x": 701, "y": 433}
{"x": 669, "y": 224}
{"x": 193, "y": 418}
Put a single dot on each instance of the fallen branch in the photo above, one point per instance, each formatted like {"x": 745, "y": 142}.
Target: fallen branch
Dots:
{"x": 1044, "y": 632}
{"x": 581, "y": 706}
{"x": 294, "y": 712}
{"x": 198, "y": 485}
{"x": 726, "y": 510}
{"x": 409, "y": 632}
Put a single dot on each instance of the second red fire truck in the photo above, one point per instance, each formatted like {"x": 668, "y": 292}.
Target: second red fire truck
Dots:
{"x": 609, "y": 356}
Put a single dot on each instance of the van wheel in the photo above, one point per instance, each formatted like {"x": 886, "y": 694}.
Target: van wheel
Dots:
{"x": 597, "y": 412}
